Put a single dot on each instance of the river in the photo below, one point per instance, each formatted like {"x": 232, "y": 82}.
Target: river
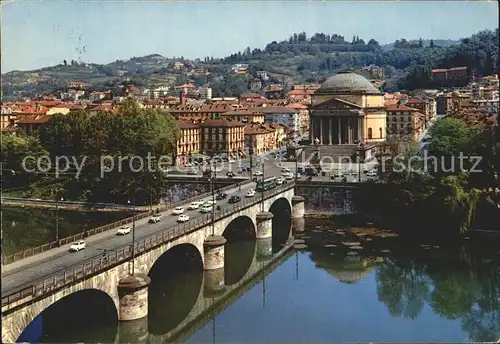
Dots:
{"x": 349, "y": 285}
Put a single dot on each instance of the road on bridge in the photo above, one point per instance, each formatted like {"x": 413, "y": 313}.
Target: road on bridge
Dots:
{"x": 18, "y": 275}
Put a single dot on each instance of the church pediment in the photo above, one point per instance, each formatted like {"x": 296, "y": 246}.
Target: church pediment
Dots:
{"x": 335, "y": 104}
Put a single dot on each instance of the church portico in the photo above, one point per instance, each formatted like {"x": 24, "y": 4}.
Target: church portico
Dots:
{"x": 344, "y": 129}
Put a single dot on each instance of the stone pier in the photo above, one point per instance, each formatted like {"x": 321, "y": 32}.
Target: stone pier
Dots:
{"x": 135, "y": 331}
{"x": 298, "y": 206}
{"x": 213, "y": 249}
{"x": 133, "y": 297}
{"x": 264, "y": 225}
{"x": 214, "y": 283}
{"x": 264, "y": 248}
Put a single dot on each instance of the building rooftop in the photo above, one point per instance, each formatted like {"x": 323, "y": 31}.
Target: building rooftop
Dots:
{"x": 347, "y": 82}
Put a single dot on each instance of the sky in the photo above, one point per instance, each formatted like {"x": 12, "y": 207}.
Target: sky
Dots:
{"x": 41, "y": 33}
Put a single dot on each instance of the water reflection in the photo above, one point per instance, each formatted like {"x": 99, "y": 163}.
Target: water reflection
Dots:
{"x": 172, "y": 299}
{"x": 346, "y": 269}
{"x": 469, "y": 294}
{"x": 390, "y": 289}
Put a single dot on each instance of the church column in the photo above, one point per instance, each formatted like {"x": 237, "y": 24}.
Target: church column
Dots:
{"x": 349, "y": 130}
{"x": 339, "y": 130}
{"x": 311, "y": 128}
{"x": 321, "y": 130}
{"x": 359, "y": 129}
{"x": 330, "y": 129}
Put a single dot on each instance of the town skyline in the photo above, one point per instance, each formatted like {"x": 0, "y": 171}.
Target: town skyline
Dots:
{"x": 73, "y": 35}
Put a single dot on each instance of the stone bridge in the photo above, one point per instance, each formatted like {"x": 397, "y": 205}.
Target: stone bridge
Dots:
{"x": 123, "y": 275}
{"x": 213, "y": 298}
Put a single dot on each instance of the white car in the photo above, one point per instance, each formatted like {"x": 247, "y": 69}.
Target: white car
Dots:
{"x": 288, "y": 176}
{"x": 123, "y": 230}
{"x": 178, "y": 211}
{"x": 210, "y": 202}
{"x": 280, "y": 180}
{"x": 285, "y": 170}
{"x": 183, "y": 218}
{"x": 371, "y": 174}
{"x": 155, "y": 219}
{"x": 231, "y": 161}
{"x": 194, "y": 205}
{"x": 250, "y": 193}
{"x": 258, "y": 173}
{"x": 77, "y": 246}
{"x": 298, "y": 175}
{"x": 206, "y": 208}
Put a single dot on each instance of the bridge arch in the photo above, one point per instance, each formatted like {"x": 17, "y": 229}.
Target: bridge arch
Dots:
{"x": 239, "y": 252}
{"x": 282, "y": 221}
{"x": 87, "y": 315}
{"x": 176, "y": 284}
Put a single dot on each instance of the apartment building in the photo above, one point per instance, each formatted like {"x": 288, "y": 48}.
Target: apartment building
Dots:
{"x": 405, "y": 122}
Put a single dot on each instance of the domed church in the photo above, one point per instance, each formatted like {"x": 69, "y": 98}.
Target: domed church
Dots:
{"x": 347, "y": 110}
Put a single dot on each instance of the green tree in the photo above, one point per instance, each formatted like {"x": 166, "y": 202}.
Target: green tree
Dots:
{"x": 450, "y": 139}
{"x": 16, "y": 171}
{"x": 130, "y": 144}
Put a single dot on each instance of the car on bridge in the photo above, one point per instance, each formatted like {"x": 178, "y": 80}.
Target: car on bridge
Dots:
{"x": 178, "y": 211}
{"x": 280, "y": 180}
{"x": 288, "y": 175}
{"x": 78, "y": 246}
{"x": 183, "y": 218}
{"x": 258, "y": 173}
{"x": 194, "y": 205}
{"x": 250, "y": 193}
{"x": 221, "y": 196}
{"x": 371, "y": 173}
{"x": 155, "y": 219}
{"x": 234, "y": 199}
{"x": 123, "y": 230}
{"x": 210, "y": 202}
{"x": 206, "y": 208}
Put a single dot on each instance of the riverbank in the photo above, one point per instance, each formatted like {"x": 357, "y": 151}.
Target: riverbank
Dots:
{"x": 72, "y": 207}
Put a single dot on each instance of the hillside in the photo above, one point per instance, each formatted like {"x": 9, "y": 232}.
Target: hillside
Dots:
{"x": 406, "y": 64}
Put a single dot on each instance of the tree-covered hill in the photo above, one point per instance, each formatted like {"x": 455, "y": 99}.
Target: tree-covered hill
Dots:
{"x": 407, "y": 64}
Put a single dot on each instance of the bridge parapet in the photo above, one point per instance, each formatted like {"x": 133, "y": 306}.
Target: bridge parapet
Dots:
{"x": 98, "y": 264}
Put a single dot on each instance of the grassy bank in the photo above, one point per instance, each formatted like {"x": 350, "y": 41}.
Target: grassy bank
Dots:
{"x": 43, "y": 190}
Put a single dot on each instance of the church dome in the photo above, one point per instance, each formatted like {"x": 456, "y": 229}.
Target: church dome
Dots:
{"x": 348, "y": 82}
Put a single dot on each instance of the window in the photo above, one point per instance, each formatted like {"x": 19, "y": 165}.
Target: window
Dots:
{"x": 380, "y": 132}
{"x": 370, "y": 133}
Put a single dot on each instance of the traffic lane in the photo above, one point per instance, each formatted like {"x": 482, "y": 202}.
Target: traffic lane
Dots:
{"x": 44, "y": 269}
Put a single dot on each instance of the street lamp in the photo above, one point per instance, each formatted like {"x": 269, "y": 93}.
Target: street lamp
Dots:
{"x": 212, "y": 186}
{"x": 250, "y": 153}
{"x": 296, "y": 166}
{"x": 358, "y": 155}
{"x": 133, "y": 236}
{"x": 151, "y": 194}
{"x": 57, "y": 219}
{"x": 262, "y": 187}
